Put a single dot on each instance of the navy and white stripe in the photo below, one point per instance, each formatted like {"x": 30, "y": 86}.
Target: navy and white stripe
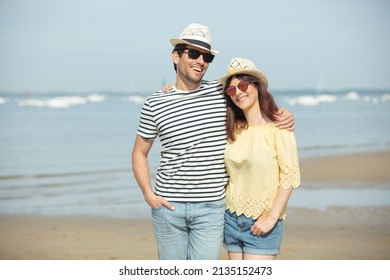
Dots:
{"x": 192, "y": 130}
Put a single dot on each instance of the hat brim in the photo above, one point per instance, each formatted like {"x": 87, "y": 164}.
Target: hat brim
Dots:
{"x": 175, "y": 42}
{"x": 251, "y": 72}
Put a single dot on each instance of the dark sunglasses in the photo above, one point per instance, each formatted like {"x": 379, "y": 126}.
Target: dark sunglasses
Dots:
{"x": 194, "y": 54}
{"x": 231, "y": 90}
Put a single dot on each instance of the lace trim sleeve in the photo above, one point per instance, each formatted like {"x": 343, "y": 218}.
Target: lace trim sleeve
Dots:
{"x": 288, "y": 160}
{"x": 290, "y": 176}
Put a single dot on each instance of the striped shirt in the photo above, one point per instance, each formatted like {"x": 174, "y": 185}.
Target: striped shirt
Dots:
{"x": 192, "y": 130}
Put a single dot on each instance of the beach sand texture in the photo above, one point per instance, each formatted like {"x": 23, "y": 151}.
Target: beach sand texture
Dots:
{"x": 337, "y": 233}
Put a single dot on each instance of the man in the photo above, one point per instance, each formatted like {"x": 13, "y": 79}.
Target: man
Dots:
{"x": 188, "y": 203}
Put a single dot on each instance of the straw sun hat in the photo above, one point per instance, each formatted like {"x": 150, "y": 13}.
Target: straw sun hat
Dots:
{"x": 195, "y": 35}
{"x": 240, "y": 65}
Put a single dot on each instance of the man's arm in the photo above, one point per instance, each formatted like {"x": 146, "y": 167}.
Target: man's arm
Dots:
{"x": 140, "y": 164}
{"x": 285, "y": 120}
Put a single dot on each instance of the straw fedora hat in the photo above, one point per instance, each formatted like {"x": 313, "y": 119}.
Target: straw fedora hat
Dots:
{"x": 196, "y": 35}
{"x": 240, "y": 65}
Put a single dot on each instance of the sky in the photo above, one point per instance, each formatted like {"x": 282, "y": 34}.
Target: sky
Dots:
{"x": 123, "y": 45}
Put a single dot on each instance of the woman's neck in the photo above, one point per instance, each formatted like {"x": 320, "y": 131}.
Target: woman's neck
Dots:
{"x": 255, "y": 117}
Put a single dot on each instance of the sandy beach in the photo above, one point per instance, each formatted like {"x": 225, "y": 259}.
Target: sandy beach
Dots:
{"x": 337, "y": 233}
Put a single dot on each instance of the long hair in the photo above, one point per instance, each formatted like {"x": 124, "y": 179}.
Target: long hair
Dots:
{"x": 235, "y": 118}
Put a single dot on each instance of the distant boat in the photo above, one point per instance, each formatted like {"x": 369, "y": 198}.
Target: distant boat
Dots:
{"x": 317, "y": 98}
{"x": 352, "y": 95}
{"x": 323, "y": 97}
{"x": 95, "y": 97}
{"x": 305, "y": 100}
{"x": 326, "y": 98}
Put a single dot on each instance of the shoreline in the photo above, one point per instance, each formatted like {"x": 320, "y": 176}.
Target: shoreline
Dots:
{"x": 337, "y": 233}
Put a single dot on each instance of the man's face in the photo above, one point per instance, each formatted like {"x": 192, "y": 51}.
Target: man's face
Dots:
{"x": 191, "y": 70}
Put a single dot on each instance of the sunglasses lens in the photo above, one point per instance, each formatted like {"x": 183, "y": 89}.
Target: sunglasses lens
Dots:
{"x": 194, "y": 54}
{"x": 231, "y": 91}
{"x": 208, "y": 57}
{"x": 243, "y": 86}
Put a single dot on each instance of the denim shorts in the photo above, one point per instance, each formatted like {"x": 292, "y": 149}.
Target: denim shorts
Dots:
{"x": 239, "y": 239}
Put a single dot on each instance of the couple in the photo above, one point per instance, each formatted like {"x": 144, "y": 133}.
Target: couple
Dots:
{"x": 226, "y": 170}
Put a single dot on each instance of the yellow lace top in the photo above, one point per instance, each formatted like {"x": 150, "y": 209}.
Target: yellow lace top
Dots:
{"x": 262, "y": 158}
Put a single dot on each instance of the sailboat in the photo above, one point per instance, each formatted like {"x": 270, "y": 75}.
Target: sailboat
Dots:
{"x": 317, "y": 98}
{"x": 323, "y": 97}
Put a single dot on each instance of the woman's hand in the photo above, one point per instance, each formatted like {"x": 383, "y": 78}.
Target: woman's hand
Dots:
{"x": 263, "y": 225}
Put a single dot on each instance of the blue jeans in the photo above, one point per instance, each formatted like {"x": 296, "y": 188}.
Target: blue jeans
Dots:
{"x": 193, "y": 231}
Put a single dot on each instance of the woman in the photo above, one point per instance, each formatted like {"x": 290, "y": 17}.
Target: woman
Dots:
{"x": 262, "y": 163}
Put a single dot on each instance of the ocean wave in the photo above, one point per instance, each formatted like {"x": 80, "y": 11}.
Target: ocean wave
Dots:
{"x": 3, "y": 100}
{"x": 62, "y": 101}
{"x": 354, "y": 96}
{"x": 377, "y": 99}
{"x": 305, "y": 151}
{"x": 345, "y": 146}
{"x": 311, "y": 100}
{"x": 315, "y": 100}
{"x": 137, "y": 99}
{"x": 65, "y": 174}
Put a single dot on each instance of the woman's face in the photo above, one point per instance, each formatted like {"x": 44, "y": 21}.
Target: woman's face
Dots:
{"x": 243, "y": 94}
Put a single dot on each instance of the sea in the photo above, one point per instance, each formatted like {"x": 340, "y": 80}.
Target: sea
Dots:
{"x": 69, "y": 154}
